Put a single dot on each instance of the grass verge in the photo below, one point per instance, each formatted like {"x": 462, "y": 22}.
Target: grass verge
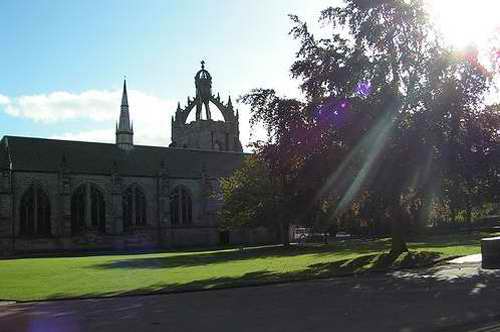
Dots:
{"x": 31, "y": 279}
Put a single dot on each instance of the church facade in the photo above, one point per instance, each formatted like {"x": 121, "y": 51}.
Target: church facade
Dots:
{"x": 60, "y": 195}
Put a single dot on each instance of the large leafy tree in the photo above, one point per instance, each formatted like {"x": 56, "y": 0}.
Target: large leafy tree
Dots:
{"x": 389, "y": 118}
{"x": 284, "y": 152}
{"x": 386, "y": 62}
{"x": 248, "y": 196}
{"x": 459, "y": 131}
{"x": 375, "y": 59}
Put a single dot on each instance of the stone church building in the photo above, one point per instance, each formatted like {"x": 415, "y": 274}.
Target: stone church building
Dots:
{"x": 60, "y": 195}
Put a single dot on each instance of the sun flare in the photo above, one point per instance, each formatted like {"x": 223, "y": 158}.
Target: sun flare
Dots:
{"x": 467, "y": 22}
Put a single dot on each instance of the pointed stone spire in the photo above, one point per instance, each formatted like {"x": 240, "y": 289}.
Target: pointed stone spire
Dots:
{"x": 124, "y": 94}
{"x": 124, "y": 130}
{"x": 179, "y": 106}
{"x": 229, "y": 103}
{"x": 124, "y": 123}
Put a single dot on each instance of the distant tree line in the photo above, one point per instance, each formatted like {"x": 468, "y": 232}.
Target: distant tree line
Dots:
{"x": 392, "y": 132}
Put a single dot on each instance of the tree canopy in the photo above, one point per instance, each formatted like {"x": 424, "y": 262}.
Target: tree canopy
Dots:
{"x": 392, "y": 122}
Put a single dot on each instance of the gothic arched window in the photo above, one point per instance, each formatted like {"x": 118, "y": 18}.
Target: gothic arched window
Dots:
{"x": 88, "y": 209}
{"x": 134, "y": 207}
{"x": 35, "y": 212}
{"x": 181, "y": 207}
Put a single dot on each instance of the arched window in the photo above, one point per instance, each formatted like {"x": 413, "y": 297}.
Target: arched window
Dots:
{"x": 88, "y": 209}
{"x": 35, "y": 212}
{"x": 181, "y": 208}
{"x": 134, "y": 207}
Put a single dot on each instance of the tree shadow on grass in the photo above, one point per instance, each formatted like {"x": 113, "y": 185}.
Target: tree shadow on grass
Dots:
{"x": 355, "y": 246}
{"x": 198, "y": 259}
{"x": 337, "y": 250}
{"x": 346, "y": 267}
{"x": 248, "y": 279}
{"x": 262, "y": 277}
{"x": 429, "y": 301}
{"x": 207, "y": 258}
{"x": 457, "y": 239}
{"x": 374, "y": 263}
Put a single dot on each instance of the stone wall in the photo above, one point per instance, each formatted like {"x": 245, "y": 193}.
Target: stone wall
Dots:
{"x": 259, "y": 235}
{"x": 168, "y": 238}
{"x": 5, "y": 208}
{"x": 207, "y": 135}
{"x": 88, "y": 242}
{"x": 157, "y": 233}
{"x": 178, "y": 237}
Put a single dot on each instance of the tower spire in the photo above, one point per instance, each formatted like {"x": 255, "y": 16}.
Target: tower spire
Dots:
{"x": 124, "y": 93}
{"x": 124, "y": 131}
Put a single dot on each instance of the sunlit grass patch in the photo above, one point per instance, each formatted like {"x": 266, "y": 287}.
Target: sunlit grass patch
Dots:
{"x": 109, "y": 275}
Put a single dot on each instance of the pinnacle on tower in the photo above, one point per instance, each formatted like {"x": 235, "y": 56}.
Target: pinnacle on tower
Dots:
{"x": 124, "y": 94}
{"x": 124, "y": 130}
{"x": 124, "y": 121}
{"x": 229, "y": 103}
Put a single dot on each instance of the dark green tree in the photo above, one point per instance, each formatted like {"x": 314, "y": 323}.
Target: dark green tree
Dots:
{"x": 389, "y": 118}
{"x": 375, "y": 60}
{"x": 460, "y": 131}
{"x": 248, "y": 196}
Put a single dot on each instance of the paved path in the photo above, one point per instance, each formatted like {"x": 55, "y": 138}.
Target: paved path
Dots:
{"x": 478, "y": 258}
{"x": 438, "y": 299}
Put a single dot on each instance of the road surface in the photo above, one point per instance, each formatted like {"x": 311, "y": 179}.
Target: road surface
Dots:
{"x": 452, "y": 297}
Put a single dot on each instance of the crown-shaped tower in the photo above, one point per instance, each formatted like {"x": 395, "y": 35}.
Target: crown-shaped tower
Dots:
{"x": 206, "y": 134}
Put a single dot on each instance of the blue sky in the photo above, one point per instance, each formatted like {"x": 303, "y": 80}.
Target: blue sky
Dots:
{"x": 62, "y": 62}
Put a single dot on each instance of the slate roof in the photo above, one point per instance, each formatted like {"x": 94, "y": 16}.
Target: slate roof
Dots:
{"x": 46, "y": 155}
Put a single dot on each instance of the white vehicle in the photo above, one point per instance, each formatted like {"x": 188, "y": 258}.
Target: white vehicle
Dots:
{"x": 342, "y": 235}
{"x": 301, "y": 234}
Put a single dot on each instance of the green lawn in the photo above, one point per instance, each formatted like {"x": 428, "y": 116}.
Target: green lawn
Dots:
{"x": 49, "y": 278}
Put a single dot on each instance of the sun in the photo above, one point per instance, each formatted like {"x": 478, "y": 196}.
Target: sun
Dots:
{"x": 466, "y": 22}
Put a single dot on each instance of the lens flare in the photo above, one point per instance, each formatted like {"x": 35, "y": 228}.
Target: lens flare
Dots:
{"x": 363, "y": 89}
{"x": 333, "y": 111}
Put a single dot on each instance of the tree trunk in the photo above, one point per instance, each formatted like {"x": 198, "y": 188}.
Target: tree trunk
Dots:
{"x": 398, "y": 230}
{"x": 398, "y": 245}
{"x": 285, "y": 230}
{"x": 453, "y": 216}
{"x": 285, "y": 221}
{"x": 468, "y": 214}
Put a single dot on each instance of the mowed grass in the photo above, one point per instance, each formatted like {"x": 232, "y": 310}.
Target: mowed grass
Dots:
{"x": 109, "y": 275}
